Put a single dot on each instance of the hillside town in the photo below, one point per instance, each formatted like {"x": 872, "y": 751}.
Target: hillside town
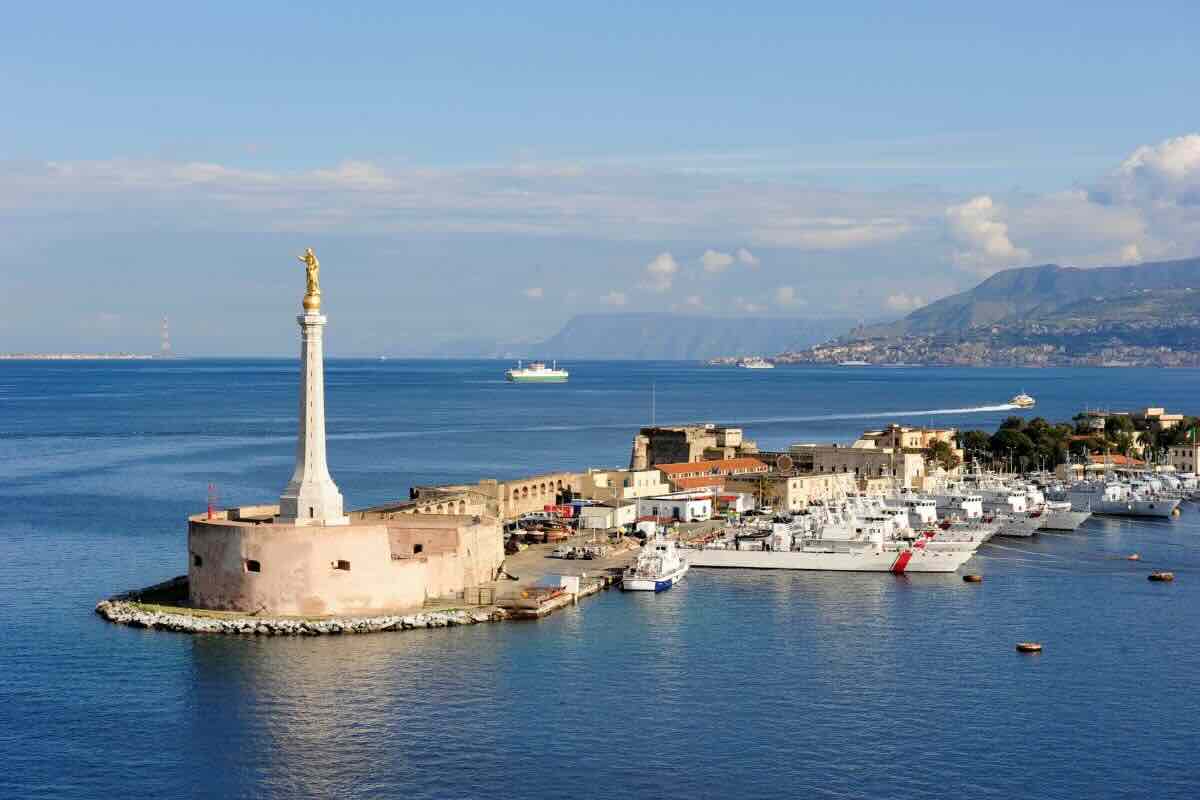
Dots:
{"x": 988, "y": 352}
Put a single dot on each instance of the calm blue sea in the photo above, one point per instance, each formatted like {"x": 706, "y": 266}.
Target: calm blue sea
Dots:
{"x": 731, "y": 685}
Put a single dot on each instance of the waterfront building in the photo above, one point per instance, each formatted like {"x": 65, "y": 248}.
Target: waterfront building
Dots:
{"x": 793, "y": 491}
{"x": 622, "y": 484}
{"x": 306, "y": 556}
{"x": 677, "y": 506}
{"x": 905, "y": 438}
{"x": 608, "y": 514}
{"x": 1185, "y": 458}
{"x": 698, "y": 475}
{"x": 861, "y": 461}
{"x": 687, "y": 443}
{"x": 510, "y": 499}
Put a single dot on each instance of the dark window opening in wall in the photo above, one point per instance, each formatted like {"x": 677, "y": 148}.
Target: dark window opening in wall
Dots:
{"x": 197, "y": 561}
{"x": 417, "y": 548}
{"x": 311, "y": 514}
{"x": 342, "y": 564}
{"x": 253, "y": 566}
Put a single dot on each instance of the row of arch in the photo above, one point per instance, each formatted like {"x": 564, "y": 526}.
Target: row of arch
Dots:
{"x": 543, "y": 489}
{"x": 451, "y": 507}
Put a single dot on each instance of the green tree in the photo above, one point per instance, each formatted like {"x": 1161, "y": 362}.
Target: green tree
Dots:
{"x": 975, "y": 444}
{"x": 942, "y": 454}
{"x": 1117, "y": 424}
{"x": 1008, "y": 443}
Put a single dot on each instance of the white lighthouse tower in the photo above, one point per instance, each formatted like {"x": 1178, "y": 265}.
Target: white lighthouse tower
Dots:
{"x": 311, "y": 497}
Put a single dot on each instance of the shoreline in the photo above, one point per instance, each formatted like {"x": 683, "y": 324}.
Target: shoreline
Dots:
{"x": 138, "y": 609}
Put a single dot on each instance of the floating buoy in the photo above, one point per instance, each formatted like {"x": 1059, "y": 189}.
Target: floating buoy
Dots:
{"x": 1133, "y": 557}
{"x": 973, "y": 578}
{"x": 1162, "y": 577}
{"x": 1175, "y": 512}
{"x": 1029, "y": 647}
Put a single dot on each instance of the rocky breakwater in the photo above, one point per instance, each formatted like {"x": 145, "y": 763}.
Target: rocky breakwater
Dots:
{"x": 137, "y": 609}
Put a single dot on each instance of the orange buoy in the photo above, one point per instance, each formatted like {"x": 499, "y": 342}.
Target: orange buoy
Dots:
{"x": 1029, "y": 647}
{"x": 973, "y": 578}
{"x": 1133, "y": 557}
{"x": 1162, "y": 577}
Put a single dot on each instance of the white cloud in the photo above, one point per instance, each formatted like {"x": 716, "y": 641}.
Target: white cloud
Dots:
{"x": 1146, "y": 207}
{"x": 902, "y": 301}
{"x": 785, "y": 296}
{"x": 359, "y": 175}
{"x": 981, "y": 237}
{"x": 714, "y": 261}
{"x": 1168, "y": 170}
{"x": 746, "y": 258}
{"x": 831, "y": 233}
{"x": 747, "y": 306}
{"x": 614, "y": 299}
{"x": 534, "y": 293}
{"x": 660, "y": 273}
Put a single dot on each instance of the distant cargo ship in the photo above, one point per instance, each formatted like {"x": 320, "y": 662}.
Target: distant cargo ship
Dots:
{"x": 536, "y": 372}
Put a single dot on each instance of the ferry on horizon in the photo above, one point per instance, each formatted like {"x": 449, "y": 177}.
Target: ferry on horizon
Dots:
{"x": 755, "y": 362}
{"x": 536, "y": 372}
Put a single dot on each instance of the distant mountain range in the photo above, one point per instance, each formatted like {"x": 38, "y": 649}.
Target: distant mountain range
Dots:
{"x": 1039, "y": 293}
{"x": 660, "y": 336}
{"x": 1148, "y": 315}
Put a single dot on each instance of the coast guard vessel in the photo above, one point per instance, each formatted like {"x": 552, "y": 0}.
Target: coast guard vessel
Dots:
{"x": 658, "y": 567}
{"x": 536, "y": 372}
{"x": 866, "y": 546}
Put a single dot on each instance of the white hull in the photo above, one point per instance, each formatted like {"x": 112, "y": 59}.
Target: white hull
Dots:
{"x": 1021, "y": 526}
{"x": 1064, "y": 520}
{"x": 849, "y": 560}
{"x": 658, "y": 583}
{"x": 1129, "y": 508}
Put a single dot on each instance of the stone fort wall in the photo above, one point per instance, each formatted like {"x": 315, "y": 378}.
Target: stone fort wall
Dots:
{"x": 368, "y": 566}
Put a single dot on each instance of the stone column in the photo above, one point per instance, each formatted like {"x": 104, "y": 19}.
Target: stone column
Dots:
{"x": 311, "y": 497}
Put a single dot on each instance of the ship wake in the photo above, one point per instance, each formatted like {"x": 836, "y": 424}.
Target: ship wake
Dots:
{"x": 928, "y": 412}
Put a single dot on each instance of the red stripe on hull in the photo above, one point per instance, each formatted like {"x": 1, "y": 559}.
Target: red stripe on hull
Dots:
{"x": 901, "y": 562}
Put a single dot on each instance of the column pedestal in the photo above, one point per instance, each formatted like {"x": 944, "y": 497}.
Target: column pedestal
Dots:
{"x": 311, "y": 497}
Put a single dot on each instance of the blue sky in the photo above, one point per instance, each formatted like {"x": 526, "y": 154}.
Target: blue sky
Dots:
{"x": 478, "y": 170}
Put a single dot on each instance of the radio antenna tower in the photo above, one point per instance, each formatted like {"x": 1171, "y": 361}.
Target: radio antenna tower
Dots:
{"x": 165, "y": 348}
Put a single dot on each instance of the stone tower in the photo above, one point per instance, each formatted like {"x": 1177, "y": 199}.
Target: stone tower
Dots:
{"x": 311, "y": 497}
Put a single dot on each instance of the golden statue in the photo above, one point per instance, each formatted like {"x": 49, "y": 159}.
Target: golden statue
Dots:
{"x": 312, "y": 271}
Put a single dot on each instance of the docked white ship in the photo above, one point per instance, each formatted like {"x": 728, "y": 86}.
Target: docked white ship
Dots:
{"x": 1115, "y": 499}
{"x": 866, "y": 547}
{"x": 659, "y": 566}
{"x": 755, "y": 362}
{"x": 1061, "y": 516}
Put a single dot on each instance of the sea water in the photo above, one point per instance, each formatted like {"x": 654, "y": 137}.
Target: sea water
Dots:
{"x": 733, "y": 684}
